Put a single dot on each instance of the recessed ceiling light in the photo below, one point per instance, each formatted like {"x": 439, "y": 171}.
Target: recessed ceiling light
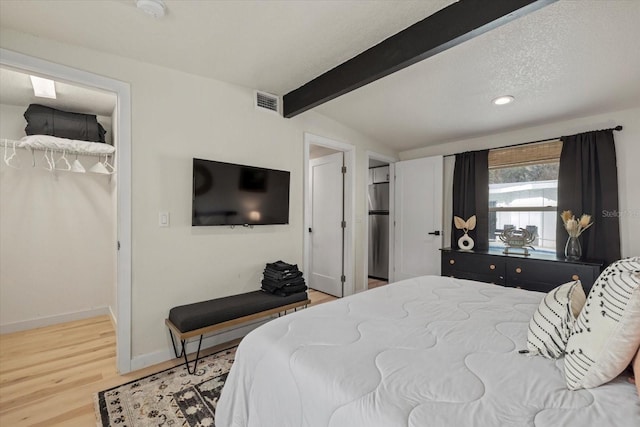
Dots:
{"x": 503, "y": 100}
{"x": 155, "y": 8}
{"x": 43, "y": 88}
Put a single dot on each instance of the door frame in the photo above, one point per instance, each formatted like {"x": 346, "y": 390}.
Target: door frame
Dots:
{"x": 123, "y": 187}
{"x": 372, "y": 155}
{"x": 349, "y": 151}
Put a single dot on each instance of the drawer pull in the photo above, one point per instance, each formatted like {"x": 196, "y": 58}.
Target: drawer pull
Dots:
{"x": 575, "y": 277}
{"x": 492, "y": 267}
{"x": 518, "y": 270}
{"x": 452, "y": 261}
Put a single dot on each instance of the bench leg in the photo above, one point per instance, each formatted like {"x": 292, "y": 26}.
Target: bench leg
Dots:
{"x": 184, "y": 353}
{"x": 175, "y": 350}
{"x": 195, "y": 362}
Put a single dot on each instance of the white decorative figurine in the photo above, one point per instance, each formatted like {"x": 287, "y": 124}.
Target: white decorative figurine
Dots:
{"x": 465, "y": 242}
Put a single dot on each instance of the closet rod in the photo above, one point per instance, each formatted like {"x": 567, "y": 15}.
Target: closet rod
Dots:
{"x": 4, "y": 142}
{"x": 617, "y": 128}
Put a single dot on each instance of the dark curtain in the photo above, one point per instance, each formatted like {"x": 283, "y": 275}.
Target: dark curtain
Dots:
{"x": 471, "y": 196}
{"x": 588, "y": 183}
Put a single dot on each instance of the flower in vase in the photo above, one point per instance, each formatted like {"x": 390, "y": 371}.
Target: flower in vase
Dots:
{"x": 573, "y": 226}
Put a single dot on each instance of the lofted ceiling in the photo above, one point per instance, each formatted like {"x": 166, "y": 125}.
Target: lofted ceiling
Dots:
{"x": 570, "y": 59}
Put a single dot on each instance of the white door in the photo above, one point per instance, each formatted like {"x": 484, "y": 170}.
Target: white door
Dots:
{"x": 326, "y": 232}
{"x": 418, "y": 230}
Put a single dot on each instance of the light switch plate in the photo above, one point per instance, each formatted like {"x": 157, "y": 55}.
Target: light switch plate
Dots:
{"x": 163, "y": 219}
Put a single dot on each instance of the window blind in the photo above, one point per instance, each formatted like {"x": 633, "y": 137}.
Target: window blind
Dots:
{"x": 527, "y": 154}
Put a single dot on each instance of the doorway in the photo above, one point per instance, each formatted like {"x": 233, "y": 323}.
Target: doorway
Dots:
{"x": 122, "y": 134}
{"x": 379, "y": 194}
{"x": 329, "y": 215}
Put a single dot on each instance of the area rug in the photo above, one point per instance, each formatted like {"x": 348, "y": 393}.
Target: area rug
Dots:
{"x": 172, "y": 397}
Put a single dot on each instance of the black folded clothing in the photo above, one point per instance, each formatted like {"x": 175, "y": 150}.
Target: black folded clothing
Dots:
{"x": 281, "y": 266}
{"x": 283, "y": 284}
{"x": 281, "y": 278}
{"x": 285, "y": 291}
{"x": 281, "y": 275}
{"x": 42, "y": 120}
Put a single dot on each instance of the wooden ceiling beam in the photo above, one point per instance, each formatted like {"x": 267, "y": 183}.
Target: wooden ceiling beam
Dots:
{"x": 444, "y": 29}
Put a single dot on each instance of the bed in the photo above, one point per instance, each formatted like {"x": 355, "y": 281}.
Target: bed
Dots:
{"x": 430, "y": 351}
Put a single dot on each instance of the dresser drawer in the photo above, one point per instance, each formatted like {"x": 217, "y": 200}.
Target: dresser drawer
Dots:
{"x": 543, "y": 276}
{"x": 484, "y": 268}
{"x": 495, "y": 279}
{"x": 521, "y": 272}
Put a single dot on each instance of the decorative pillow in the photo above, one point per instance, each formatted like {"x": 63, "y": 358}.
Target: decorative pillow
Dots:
{"x": 606, "y": 335}
{"x": 551, "y": 324}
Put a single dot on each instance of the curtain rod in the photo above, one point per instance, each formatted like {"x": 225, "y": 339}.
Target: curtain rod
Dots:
{"x": 617, "y": 128}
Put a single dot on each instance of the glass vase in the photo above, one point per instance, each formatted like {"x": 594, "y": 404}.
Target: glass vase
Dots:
{"x": 573, "y": 250}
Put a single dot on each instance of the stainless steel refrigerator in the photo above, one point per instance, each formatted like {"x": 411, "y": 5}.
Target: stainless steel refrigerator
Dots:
{"x": 379, "y": 230}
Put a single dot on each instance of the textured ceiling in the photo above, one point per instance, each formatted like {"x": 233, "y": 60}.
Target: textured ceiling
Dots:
{"x": 569, "y": 59}
{"x": 275, "y": 46}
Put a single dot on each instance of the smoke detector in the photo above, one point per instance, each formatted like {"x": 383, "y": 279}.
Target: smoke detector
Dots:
{"x": 155, "y": 8}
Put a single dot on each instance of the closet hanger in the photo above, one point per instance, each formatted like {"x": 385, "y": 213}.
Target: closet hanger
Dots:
{"x": 13, "y": 155}
{"x": 51, "y": 164}
{"x": 77, "y": 166}
{"x": 99, "y": 167}
{"x": 67, "y": 165}
{"x": 108, "y": 165}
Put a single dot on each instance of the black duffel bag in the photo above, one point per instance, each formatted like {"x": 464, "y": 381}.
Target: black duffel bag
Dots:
{"x": 43, "y": 120}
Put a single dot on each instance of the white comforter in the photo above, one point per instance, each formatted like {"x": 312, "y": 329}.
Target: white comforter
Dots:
{"x": 430, "y": 351}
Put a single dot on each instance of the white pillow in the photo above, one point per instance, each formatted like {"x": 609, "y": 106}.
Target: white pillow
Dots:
{"x": 551, "y": 324}
{"x": 607, "y": 333}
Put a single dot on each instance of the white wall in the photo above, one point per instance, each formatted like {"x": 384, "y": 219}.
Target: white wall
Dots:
{"x": 57, "y": 245}
{"x": 178, "y": 116}
{"x": 627, "y": 151}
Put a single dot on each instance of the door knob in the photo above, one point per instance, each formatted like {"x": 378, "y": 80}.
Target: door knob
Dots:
{"x": 434, "y": 233}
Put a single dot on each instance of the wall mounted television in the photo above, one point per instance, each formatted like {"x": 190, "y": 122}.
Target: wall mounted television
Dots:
{"x": 231, "y": 194}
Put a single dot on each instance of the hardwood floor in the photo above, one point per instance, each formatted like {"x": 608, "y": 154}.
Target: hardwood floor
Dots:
{"x": 48, "y": 375}
{"x": 318, "y": 297}
{"x": 374, "y": 283}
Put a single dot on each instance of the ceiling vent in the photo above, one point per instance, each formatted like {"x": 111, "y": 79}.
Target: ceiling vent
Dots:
{"x": 267, "y": 102}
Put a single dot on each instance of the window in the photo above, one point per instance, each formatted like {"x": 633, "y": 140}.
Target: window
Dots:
{"x": 523, "y": 192}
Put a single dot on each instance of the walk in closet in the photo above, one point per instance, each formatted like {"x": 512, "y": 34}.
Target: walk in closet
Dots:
{"x": 58, "y": 209}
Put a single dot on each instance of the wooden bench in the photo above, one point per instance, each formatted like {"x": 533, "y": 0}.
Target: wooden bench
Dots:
{"x": 198, "y": 319}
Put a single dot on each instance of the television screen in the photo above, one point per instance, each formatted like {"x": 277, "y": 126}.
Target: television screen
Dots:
{"x": 230, "y": 194}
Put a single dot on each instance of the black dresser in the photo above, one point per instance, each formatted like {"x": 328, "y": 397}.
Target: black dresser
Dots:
{"x": 537, "y": 272}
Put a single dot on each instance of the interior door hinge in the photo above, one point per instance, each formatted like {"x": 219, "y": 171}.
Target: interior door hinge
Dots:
{"x": 343, "y": 224}
{"x": 118, "y": 244}
{"x": 344, "y": 169}
{"x": 343, "y": 278}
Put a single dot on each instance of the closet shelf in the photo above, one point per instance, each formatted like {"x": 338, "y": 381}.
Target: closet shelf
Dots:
{"x": 60, "y": 145}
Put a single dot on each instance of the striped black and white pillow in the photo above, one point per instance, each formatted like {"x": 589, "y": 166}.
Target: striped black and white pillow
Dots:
{"x": 606, "y": 335}
{"x": 551, "y": 324}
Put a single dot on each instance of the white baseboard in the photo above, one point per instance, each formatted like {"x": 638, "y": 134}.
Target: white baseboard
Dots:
{"x": 114, "y": 319}
{"x": 144, "y": 360}
{"x": 24, "y": 325}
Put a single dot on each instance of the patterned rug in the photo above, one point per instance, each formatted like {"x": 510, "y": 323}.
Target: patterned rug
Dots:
{"x": 171, "y": 397}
